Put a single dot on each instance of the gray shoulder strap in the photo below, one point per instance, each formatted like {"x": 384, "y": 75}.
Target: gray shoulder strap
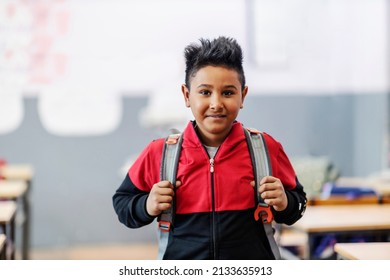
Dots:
{"x": 168, "y": 171}
{"x": 261, "y": 168}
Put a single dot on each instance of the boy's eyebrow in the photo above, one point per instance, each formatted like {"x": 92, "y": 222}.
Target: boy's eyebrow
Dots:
{"x": 230, "y": 86}
{"x": 204, "y": 85}
{"x": 207, "y": 85}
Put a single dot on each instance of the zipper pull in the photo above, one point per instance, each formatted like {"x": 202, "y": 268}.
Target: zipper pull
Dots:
{"x": 211, "y": 165}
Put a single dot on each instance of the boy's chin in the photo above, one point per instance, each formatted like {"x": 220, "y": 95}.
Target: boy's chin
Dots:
{"x": 217, "y": 129}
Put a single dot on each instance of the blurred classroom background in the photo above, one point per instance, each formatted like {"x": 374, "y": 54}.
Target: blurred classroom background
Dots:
{"x": 85, "y": 85}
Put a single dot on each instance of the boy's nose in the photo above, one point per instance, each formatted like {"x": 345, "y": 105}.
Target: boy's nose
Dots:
{"x": 216, "y": 102}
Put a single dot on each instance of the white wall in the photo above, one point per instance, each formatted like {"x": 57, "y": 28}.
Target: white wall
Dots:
{"x": 80, "y": 57}
{"x": 321, "y": 46}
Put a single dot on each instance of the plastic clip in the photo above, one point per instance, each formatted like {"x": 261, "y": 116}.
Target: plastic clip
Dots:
{"x": 264, "y": 212}
{"x": 253, "y": 130}
{"x": 164, "y": 226}
{"x": 172, "y": 139}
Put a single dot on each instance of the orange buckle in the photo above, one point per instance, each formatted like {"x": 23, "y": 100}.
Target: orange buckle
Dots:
{"x": 172, "y": 139}
{"x": 253, "y": 130}
{"x": 164, "y": 226}
{"x": 264, "y": 212}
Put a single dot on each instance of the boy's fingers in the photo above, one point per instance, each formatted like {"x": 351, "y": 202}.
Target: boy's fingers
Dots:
{"x": 165, "y": 199}
{"x": 164, "y": 206}
{"x": 165, "y": 184}
{"x": 267, "y": 179}
{"x": 268, "y": 195}
{"x": 166, "y": 191}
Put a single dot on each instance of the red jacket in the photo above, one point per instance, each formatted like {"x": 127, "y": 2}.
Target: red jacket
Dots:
{"x": 214, "y": 211}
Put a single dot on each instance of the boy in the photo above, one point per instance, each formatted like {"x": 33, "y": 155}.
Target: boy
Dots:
{"x": 213, "y": 197}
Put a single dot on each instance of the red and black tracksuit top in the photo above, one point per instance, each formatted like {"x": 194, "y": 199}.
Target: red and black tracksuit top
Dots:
{"x": 214, "y": 209}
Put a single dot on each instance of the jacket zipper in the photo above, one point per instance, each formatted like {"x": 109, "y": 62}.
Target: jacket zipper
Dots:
{"x": 213, "y": 229}
{"x": 213, "y": 215}
{"x": 212, "y": 165}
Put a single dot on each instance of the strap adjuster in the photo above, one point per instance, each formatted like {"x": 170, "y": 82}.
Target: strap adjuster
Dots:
{"x": 172, "y": 139}
{"x": 264, "y": 212}
{"x": 253, "y": 130}
{"x": 164, "y": 226}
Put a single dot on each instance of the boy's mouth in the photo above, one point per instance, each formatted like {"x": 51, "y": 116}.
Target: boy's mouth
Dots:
{"x": 217, "y": 116}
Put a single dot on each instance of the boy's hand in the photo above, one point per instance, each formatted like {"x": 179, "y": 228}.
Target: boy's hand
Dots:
{"x": 272, "y": 192}
{"x": 160, "y": 197}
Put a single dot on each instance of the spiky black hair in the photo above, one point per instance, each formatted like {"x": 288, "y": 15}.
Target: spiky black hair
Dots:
{"x": 222, "y": 51}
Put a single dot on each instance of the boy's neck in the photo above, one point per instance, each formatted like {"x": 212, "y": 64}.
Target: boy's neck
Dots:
{"x": 211, "y": 140}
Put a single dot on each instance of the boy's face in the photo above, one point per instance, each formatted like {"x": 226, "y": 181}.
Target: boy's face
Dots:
{"x": 215, "y": 98}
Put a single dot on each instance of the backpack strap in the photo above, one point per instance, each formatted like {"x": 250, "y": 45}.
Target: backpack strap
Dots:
{"x": 261, "y": 167}
{"x": 168, "y": 171}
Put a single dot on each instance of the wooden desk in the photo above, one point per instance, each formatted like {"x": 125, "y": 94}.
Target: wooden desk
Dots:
{"x": 2, "y": 246}
{"x": 382, "y": 188}
{"x": 17, "y": 171}
{"x": 7, "y": 223}
{"x": 380, "y": 185}
{"x": 363, "y": 251}
{"x": 343, "y": 200}
{"x": 12, "y": 189}
{"x": 15, "y": 190}
{"x": 21, "y": 172}
{"x": 372, "y": 219}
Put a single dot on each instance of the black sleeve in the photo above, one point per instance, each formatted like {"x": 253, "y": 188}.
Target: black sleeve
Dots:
{"x": 130, "y": 205}
{"x": 295, "y": 208}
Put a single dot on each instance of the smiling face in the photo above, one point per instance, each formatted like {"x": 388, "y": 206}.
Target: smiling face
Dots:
{"x": 215, "y": 98}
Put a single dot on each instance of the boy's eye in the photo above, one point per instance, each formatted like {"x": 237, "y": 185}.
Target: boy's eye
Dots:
{"x": 228, "y": 93}
{"x": 204, "y": 92}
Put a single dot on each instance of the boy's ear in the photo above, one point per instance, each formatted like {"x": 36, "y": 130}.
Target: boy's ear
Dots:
{"x": 186, "y": 94}
{"x": 243, "y": 95}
